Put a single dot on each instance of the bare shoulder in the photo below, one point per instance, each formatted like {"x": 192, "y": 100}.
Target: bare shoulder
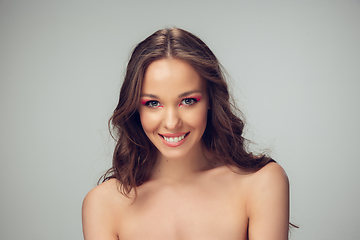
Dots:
{"x": 271, "y": 174}
{"x": 268, "y": 203}
{"x": 107, "y": 187}
{"x": 103, "y": 194}
{"x": 100, "y": 211}
{"x": 269, "y": 181}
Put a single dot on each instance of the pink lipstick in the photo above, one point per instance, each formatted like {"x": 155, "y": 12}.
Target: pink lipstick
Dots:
{"x": 174, "y": 139}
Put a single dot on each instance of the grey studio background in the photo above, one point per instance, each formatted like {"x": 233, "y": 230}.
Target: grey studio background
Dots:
{"x": 295, "y": 72}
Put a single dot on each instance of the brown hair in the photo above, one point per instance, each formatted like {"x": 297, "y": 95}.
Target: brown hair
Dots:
{"x": 134, "y": 153}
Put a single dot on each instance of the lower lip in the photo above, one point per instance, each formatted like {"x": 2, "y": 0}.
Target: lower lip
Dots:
{"x": 174, "y": 144}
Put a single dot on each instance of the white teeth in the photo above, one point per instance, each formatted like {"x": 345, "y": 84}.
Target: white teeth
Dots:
{"x": 175, "y": 139}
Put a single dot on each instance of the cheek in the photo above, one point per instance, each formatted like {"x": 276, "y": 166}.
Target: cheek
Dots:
{"x": 149, "y": 121}
{"x": 197, "y": 119}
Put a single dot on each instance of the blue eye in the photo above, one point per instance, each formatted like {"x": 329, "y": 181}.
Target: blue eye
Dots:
{"x": 188, "y": 101}
{"x": 153, "y": 104}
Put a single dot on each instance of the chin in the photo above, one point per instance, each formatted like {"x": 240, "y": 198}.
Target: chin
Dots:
{"x": 179, "y": 153}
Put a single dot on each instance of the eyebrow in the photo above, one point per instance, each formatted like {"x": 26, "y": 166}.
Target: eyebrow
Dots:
{"x": 148, "y": 95}
{"x": 180, "y": 96}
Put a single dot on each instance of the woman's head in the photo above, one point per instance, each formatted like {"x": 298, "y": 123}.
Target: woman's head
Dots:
{"x": 135, "y": 154}
{"x": 171, "y": 43}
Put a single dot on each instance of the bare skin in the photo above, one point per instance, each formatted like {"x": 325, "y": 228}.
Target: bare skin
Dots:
{"x": 213, "y": 204}
{"x": 188, "y": 196}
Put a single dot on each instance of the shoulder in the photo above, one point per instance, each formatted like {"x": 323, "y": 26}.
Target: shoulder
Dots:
{"x": 100, "y": 211}
{"x": 102, "y": 194}
{"x": 268, "y": 203}
{"x": 271, "y": 174}
{"x": 269, "y": 182}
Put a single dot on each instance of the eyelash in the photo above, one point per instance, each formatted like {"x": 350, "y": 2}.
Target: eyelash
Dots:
{"x": 150, "y": 103}
{"x": 193, "y": 101}
{"x": 155, "y": 103}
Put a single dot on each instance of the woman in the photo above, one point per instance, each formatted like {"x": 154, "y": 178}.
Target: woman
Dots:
{"x": 180, "y": 167}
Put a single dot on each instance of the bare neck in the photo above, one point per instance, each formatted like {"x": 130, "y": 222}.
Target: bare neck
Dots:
{"x": 180, "y": 169}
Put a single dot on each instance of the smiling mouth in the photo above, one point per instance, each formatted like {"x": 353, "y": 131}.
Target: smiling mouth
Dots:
{"x": 174, "y": 139}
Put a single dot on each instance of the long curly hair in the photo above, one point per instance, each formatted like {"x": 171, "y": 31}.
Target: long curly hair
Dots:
{"x": 134, "y": 154}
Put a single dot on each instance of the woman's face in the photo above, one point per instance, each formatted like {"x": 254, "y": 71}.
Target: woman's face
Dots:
{"x": 173, "y": 107}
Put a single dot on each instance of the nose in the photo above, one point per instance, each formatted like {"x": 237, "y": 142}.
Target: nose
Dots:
{"x": 172, "y": 119}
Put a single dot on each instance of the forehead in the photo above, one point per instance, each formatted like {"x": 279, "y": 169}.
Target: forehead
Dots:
{"x": 171, "y": 77}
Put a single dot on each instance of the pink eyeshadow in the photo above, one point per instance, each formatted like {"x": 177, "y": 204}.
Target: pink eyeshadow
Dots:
{"x": 198, "y": 98}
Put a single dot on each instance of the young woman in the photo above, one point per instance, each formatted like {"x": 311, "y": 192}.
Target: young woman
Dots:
{"x": 180, "y": 167}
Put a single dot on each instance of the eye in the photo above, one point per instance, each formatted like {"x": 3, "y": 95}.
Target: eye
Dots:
{"x": 188, "y": 101}
{"x": 152, "y": 104}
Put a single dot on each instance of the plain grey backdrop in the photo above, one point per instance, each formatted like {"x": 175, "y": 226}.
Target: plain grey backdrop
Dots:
{"x": 294, "y": 70}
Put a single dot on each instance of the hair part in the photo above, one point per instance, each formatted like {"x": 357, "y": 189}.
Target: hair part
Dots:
{"x": 134, "y": 154}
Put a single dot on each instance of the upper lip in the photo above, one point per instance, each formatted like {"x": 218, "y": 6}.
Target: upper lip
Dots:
{"x": 172, "y": 135}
